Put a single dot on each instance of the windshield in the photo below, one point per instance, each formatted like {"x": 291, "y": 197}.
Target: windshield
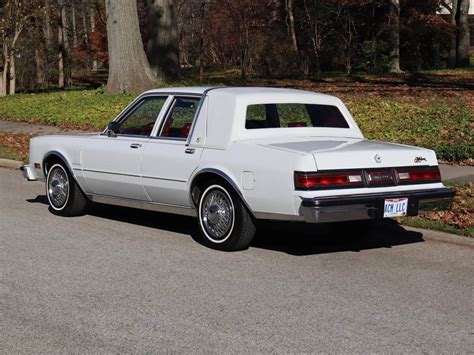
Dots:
{"x": 294, "y": 115}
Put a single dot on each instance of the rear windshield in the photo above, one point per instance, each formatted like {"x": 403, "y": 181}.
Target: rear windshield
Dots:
{"x": 294, "y": 115}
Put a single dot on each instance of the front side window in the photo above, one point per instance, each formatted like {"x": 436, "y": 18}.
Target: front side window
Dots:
{"x": 180, "y": 118}
{"x": 294, "y": 115}
{"x": 141, "y": 120}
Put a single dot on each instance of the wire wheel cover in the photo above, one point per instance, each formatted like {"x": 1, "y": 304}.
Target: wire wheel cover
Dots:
{"x": 58, "y": 187}
{"x": 217, "y": 214}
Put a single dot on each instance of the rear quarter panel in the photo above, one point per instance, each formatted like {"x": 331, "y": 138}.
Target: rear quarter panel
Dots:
{"x": 271, "y": 170}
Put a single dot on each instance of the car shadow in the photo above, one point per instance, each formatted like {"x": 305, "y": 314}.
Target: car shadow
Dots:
{"x": 308, "y": 239}
{"x": 292, "y": 238}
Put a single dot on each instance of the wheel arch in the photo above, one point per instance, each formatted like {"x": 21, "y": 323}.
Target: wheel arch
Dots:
{"x": 52, "y": 155}
{"x": 209, "y": 173}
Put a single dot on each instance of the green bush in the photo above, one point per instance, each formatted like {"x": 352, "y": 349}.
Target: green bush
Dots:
{"x": 454, "y": 152}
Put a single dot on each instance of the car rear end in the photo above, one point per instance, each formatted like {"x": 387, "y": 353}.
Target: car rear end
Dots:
{"x": 370, "y": 193}
{"x": 348, "y": 178}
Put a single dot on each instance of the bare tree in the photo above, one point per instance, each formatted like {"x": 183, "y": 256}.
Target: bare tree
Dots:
{"x": 129, "y": 70}
{"x": 15, "y": 18}
{"x": 162, "y": 46}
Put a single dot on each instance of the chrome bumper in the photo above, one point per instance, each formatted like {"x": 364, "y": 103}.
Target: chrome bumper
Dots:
{"x": 28, "y": 173}
{"x": 371, "y": 206}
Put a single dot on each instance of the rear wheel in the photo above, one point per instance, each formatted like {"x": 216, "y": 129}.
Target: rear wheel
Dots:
{"x": 64, "y": 195}
{"x": 224, "y": 221}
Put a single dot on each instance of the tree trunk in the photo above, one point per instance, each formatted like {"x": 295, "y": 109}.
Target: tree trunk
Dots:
{"x": 291, "y": 25}
{"x": 129, "y": 70}
{"x": 4, "y": 72}
{"x": 60, "y": 56}
{"x": 40, "y": 65}
{"x": 464, "y": 35}
{"x": 84, "y": 26}
{"x": 92, "y": 17}
{"x": 74, "y": 25}
{"x": 47, "y": 25}
{"x": 163, "y": 42}
{"x": 64, "y": 24}
{"x": 453, "y": 44}
{"x": 395, "y": 36}
{"x": 201, "y": 43}
{"x": 12, "y": 76}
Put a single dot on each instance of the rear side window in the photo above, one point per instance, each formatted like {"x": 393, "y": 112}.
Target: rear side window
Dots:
{"x": 294, "y": 115}
{"x": 180, "y": 118}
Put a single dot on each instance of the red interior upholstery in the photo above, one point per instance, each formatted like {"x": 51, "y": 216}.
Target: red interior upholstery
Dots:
{"x": 184, "y": 132}
{"x": 296, "y": 124}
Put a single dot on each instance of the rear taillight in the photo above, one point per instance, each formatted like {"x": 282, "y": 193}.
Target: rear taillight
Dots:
{"x": 418, "y": 175}
{"x": 339, "y": 179}
{"x": 332, "y": 180}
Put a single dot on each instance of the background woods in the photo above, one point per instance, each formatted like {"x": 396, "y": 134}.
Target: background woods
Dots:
{"x": 138, "y": 43}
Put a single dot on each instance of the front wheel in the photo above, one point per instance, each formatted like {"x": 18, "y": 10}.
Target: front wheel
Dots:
{"x": 224, "y": 221}
{"x": 64, "y": 195}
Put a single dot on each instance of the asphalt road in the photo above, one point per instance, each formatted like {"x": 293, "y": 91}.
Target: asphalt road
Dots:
{"x": 121, "y": 280}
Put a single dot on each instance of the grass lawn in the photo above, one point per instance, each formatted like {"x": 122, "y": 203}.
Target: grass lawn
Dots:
{"x": 429, "y": 109}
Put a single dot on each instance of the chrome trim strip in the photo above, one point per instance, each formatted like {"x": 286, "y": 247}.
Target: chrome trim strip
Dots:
{"x": 179, "y": 139}
{"x": 132, "y": 175}
{"x": 146, "y": 205}
{"x": 278, "y": 216}
{"x": 165, "y": 179}
{"x": 109, "y": 172}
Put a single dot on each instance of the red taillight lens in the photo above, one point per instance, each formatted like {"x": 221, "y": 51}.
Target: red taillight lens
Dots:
{"x": 421, "y": 175}
{"x": 312, "y": 181}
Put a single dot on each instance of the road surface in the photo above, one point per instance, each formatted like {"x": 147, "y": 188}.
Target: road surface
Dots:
{"x": 122, "y": 280}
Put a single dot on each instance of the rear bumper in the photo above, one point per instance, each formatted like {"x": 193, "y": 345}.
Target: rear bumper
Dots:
{"x": 28, "y": 173}
{"x": 371, "y": 206}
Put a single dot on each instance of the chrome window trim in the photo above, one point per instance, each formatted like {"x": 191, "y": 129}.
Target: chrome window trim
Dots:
{"x": 168, "y": 112}
{"x": 133, "y": 106}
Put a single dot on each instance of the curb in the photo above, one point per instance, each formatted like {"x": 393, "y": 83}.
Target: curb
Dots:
{"x": 443, "y": 237}
{"x": 10, "y": 164}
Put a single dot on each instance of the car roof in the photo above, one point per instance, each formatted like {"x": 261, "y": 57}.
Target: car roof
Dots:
{"x": 181, "y": 90}
{"x": 230, "y": 90}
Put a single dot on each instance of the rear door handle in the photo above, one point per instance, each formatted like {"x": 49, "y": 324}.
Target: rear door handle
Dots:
{"x": 189, "y": 151}
{"x": 135, "y": 145}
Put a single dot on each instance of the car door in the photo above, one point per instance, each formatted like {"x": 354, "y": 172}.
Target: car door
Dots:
{"x": 112, "y": 163}
{"x": 167, "y": 162}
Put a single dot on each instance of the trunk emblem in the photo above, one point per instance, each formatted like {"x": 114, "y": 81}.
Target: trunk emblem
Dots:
{"x": 378, "y": 158}
{"x": 419, "y": 160}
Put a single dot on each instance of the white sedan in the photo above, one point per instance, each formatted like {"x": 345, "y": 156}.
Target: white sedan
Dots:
{"x": 231, "y": 156}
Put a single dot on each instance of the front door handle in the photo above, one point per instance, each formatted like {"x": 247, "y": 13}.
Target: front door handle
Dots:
{"x": 135, "y": 145}
{"x": 189, "y": 151}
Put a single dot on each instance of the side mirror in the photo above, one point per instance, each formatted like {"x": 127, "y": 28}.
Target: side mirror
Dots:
{"x": 112, "y": 129}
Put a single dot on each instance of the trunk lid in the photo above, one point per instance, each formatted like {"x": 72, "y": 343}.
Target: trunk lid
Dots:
{"x": 350, "y": 153}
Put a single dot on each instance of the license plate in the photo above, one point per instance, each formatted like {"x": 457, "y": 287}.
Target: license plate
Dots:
{"x": 395, "y": 207}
